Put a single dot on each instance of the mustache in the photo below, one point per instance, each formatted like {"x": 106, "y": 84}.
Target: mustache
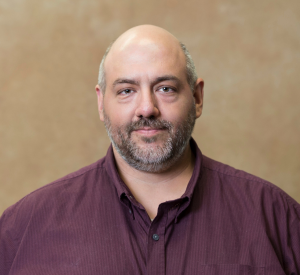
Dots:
{"x": 150, "y": 123}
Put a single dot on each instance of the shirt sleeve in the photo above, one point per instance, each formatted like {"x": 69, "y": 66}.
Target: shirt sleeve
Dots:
{"x": 293, "y": 246}
{"x": 13, "y": 223}
{"x": 8, "y": 242}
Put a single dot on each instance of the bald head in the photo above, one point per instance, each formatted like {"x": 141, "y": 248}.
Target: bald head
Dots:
{"x": 137, "y": 41}
{"x": 145, "y": 36}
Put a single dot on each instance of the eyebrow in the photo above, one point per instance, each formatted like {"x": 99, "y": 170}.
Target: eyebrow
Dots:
{"x": 125, "y": 80}
{"x": 165, "y": 78}
{"x": 154, "y": 82}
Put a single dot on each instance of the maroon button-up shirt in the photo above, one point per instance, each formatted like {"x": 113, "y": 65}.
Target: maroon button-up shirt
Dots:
{"x": 226, "y": 222}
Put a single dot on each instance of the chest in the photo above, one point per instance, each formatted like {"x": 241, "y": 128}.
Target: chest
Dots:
{"x": 125, "y": 243}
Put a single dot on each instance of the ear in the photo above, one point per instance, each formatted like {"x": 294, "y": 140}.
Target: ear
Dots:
{"x": 198, "y": 96}
{"x": 100, "y": 98}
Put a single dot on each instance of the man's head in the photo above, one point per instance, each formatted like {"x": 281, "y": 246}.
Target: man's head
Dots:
{"x": 151, "y": 100}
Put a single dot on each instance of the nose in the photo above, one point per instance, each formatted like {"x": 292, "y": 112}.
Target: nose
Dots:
{"x": 147, "y": 105}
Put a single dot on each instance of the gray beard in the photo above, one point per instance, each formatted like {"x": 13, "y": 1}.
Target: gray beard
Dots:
{"x": 155, "y": 159}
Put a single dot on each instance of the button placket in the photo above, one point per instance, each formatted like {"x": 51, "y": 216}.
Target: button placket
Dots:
{"x": 156, "y": 244}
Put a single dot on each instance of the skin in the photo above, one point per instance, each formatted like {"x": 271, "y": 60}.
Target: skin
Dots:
{"x": 146, "y": 77}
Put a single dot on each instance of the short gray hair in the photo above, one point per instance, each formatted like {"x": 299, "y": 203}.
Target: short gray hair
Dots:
{"x": 191, "y": 73}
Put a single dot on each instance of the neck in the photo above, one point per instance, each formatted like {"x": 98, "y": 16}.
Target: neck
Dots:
{"x": 152, "y": 189}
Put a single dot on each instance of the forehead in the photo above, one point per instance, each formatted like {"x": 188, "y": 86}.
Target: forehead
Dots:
{"x": 145, "y": 59}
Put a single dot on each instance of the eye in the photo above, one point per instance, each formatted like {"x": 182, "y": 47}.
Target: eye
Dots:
{"x": 125, "y": 92}
{"x": 166, "y": 89}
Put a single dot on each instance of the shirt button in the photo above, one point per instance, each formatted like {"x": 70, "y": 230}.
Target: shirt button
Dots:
{"x": 130, "y": 211}
{"x": 155, "y": 237}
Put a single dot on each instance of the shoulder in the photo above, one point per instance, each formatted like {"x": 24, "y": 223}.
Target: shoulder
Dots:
{"x": 263, "y": 212}
{"x": 251, "y": 198}
{"x": 67, "y": 199}
{"x": 226, "y": 170}
{"x": 75, "y": 179}
{"x": 249, "y": 185}
{"x": 72, "y": 182}
{"x": 61, "y": 191}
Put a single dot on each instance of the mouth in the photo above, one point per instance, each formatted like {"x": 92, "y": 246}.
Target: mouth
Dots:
{"x": 148, "y": 131}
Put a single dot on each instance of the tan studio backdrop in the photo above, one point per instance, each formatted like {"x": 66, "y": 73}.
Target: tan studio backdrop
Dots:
{"x": 248, "y": 53}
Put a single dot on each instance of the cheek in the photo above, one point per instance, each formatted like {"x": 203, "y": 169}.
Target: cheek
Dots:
{"x": 118, "y": 114}
{"x": 178, "y": 112}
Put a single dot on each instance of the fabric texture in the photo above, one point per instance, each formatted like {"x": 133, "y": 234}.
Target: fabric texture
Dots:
{"x": 88, "y": 222}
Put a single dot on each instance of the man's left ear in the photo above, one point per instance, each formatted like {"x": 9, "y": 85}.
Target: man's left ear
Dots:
{"x": 100, "y": 101}
{"x": 198, "y": 96}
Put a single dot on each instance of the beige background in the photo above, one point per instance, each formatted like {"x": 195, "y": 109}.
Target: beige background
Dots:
{"x": 246, "y": 51}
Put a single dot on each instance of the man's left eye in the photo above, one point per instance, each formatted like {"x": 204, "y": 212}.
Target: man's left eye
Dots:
{"x": 166, "y": 89}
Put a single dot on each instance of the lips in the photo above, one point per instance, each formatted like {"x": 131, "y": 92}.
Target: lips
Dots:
{"x": 148, "y": 131}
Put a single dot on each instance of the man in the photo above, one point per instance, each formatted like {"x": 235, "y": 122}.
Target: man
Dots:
{"x": 154, "y": 204}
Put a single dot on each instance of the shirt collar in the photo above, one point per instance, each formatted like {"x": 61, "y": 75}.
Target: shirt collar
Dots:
{"x": 112, "y": 171}
{"x": 111, "y": 168}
